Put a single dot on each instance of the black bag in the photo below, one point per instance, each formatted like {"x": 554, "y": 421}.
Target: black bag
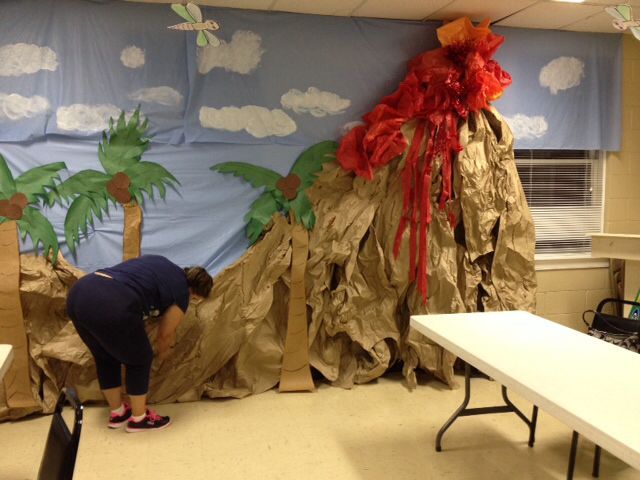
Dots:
{"x": 620, "y": 331}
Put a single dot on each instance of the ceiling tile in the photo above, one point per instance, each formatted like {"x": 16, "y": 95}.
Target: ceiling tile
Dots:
{"x": 550, "y": 15}
{"x": 478, "y": 10}
{"x": 325, "y": 7}
{"x": 600, "y": 22}
{"x": 404, "y": 9}
{"x": 606, "y": 3}
{"x": 588, "y": 17}
{"x": 247, "y": 4}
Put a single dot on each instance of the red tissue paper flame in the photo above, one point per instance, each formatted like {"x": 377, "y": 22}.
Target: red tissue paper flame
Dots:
{"x": 441, "y": 87}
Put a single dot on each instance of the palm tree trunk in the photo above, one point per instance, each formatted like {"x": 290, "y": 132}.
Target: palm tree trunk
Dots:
{"x": 17, "y": 382}
{"x": 296, "y": 373}
{"x": 131, "y": 233}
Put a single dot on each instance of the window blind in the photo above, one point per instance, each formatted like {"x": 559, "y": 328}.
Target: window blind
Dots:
{"x": 564, "y": 189}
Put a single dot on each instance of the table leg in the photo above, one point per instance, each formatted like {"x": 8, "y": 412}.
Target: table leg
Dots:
{"x": 572, "y": 455}
{"x": 530, "y": 423}
{"x": 595, "y": 473}
{"x": 459, "y": 410}
{"x": 463, "y": 411}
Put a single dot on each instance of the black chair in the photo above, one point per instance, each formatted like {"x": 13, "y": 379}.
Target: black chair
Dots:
{"x": 622, "y": 323}
{"x": 614, "y": 322}
{"x": 61, "y": 448}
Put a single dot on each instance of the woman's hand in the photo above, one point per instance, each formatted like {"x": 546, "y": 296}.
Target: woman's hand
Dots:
{"x": 165, "y": 344}
{"x": 168, "y": 324}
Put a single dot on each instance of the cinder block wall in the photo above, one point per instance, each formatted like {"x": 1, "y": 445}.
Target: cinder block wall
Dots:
{"x": 622, "y": 206}
{"x": 564, "y": 294}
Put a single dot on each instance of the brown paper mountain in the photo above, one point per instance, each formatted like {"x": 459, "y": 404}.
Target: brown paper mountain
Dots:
{"x": 358, "y": 296}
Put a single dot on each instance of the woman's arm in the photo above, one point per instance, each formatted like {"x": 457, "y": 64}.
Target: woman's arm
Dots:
{"x": 168, "y": 324}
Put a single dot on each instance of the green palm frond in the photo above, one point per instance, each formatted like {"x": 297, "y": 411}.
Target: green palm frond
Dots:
{"x": 40, "y": 182}
{"x": 308, "y": 164}
{"x": 39, "y": 229}
{"x": 147, "y": 175}
{"x": 263, "y": 208}
{"x": 80, "y": 215}
{"x": 7, "y": 183}
{"x": 259, "y": 215}
{"x": 85, "y": 182}
{"x": 311, "y": 160}
{"x": 35, "y": 184}
{"x": 124, "y": 145}
{"x": 303, "y": 210}
{"x": 119, "y": 152}
{"x": 255, "y": 175}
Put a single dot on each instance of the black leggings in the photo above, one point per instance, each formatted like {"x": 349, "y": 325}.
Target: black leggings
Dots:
{"x": 108, "y": 317}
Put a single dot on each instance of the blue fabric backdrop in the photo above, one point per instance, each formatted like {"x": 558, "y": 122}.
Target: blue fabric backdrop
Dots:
{"x": 294, "y": 80}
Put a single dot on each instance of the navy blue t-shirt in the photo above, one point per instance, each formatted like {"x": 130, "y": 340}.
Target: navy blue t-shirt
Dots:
{"x": 158, "y": 282}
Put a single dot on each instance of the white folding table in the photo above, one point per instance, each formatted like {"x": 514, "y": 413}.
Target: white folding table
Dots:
{"x": 586, "y": 383}
{"x": 6, "y": 356}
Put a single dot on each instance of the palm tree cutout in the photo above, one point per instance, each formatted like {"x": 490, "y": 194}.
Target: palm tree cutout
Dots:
{"x": 19, "y": 198}
{"x": 287, "y": 195}
{"x": 125, "y": 180}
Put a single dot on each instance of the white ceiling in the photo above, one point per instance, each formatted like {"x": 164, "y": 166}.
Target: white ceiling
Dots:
{"x": 587, "y": 17}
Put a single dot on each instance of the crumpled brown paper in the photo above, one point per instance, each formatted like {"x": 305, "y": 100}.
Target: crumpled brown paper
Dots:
{"x": 43, "y": 293}
{"x": 358, "y": 295}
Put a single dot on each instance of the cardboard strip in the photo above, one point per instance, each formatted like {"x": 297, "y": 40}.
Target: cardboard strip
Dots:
{"x": 17, "y": 382}
{"x": 296, "y": 373}
{"x": 131, "y": 234}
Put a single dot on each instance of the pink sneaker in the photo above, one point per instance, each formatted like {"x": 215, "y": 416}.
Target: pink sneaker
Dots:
{"x": 116, "y": 421}
{"x": 151, "y": 421}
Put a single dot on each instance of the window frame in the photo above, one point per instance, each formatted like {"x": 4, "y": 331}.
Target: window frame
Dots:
{"x": 598, "y": 158}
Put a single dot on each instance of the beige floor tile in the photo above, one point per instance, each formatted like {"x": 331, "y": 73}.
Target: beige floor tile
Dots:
{"x": 372, "y": 432}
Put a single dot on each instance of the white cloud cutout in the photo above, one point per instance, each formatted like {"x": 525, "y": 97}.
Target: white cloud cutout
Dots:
{"x": 16, "y": 107}
{"x": 257, "y": 121}
{"x": 163, "y": 95}
{"x": 527, "y": 128}
{"x": 86, "y": 118}
{"x": 241, "y": 55}
{"x": 23, "y": 58}
{"x": 562, "y": 73}
{"x": 347, "y": 127}
{"x": 132, "y": 56}
{"x": 314, "y": 101}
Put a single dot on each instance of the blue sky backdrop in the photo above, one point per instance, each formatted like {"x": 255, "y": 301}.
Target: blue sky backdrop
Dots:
{"x": 277, "y": 84}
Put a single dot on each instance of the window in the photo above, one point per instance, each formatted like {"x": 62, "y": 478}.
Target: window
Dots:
{"x": 564, "y": 189}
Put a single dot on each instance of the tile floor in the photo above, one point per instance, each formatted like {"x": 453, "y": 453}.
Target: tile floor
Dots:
{"x": 375, "y": 431}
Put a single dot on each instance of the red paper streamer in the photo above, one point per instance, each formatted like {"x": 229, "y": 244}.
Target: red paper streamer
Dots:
{"x": 441, "y": 87}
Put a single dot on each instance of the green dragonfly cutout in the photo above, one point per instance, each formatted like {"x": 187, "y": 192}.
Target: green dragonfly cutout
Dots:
{"x": 193, "y": 16}
{"x": 623, "y": 19}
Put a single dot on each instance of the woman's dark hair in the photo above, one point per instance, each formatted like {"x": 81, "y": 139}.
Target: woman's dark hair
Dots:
{"x": 199, "y": 281}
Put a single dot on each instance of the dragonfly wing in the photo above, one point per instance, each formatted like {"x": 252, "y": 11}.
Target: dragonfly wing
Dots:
{"x": 211, "y": 38}
{"x": 182, "y": 11}
{"x": 636, "y": 32}
{"x": 201, "y": 39}
{"x": 621, "y": 12}
{"x": 194, "y": 11}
